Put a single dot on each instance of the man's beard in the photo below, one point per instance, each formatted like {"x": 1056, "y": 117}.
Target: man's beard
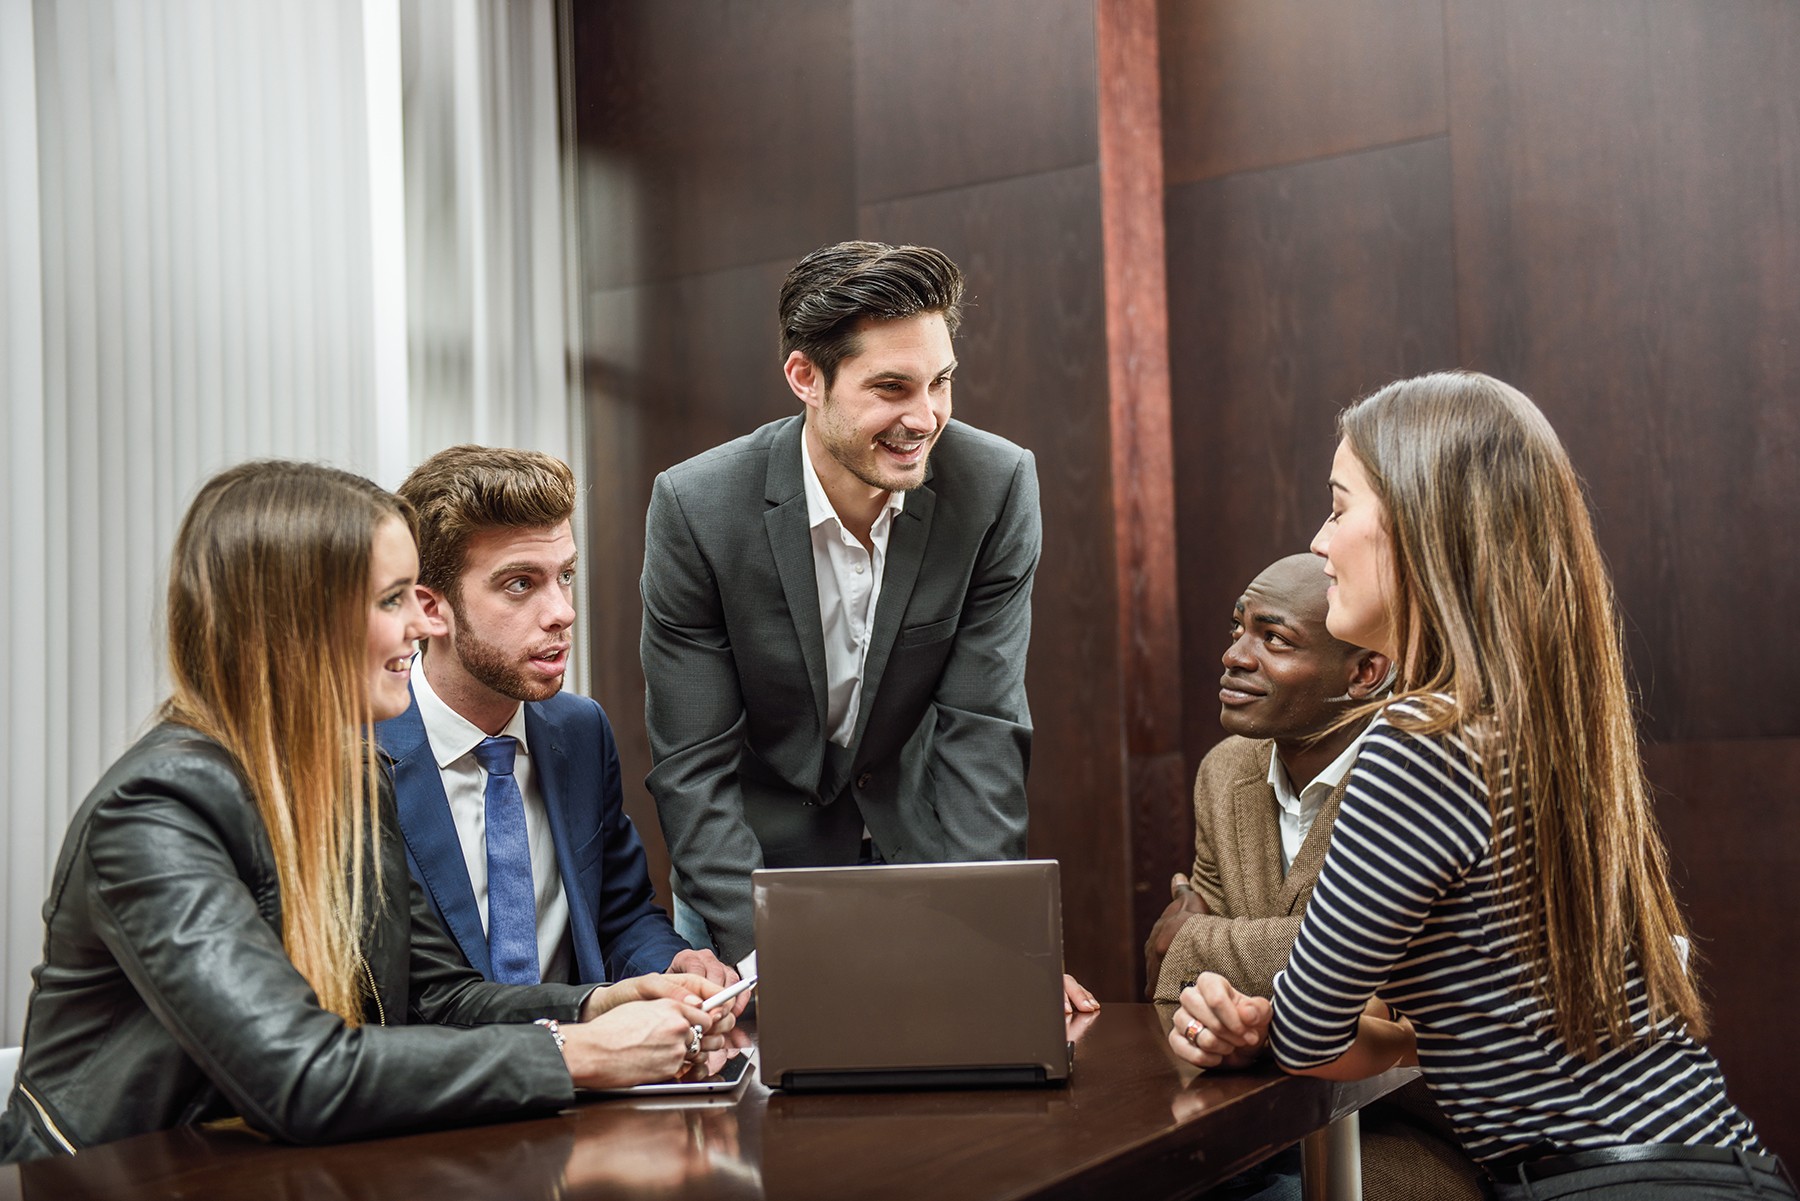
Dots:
{"x": 492, "y": 667}
{"x": 854, "y": 454}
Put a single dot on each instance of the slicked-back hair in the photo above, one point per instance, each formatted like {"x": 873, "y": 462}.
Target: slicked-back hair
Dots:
{"x": 834, "y": 287}
{"x": 1504, "y": 604}
{"x": 268, "y": 620}
{"x": 463, "y": 490}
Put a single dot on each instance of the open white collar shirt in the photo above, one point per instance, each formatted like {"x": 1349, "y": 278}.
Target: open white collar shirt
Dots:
{"x": 849, "y": 579}
{"x": 453, "y": 740}
{"x": 1296, "y": 813}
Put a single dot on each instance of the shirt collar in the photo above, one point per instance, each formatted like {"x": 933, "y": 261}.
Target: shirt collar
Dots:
{"x": 1323, "y": 784}
{"x": 819, "y": 509}
{"x": 452, "y": 735}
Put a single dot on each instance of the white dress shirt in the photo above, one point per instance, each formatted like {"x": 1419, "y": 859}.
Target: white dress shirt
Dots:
{"x": 849, "y": 579}
{"x": 1297, "y": 812}
{"x": 453, "y": 740}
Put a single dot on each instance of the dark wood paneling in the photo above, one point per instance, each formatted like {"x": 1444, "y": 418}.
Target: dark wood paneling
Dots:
{"x": 672, "y": 368}
{"x": 950, "y": 93}
{"x": 1291, "y": 292}
{"x": 1628, "y": 247}
{"x": 1033, "y": 368}
{"x": 1255, "y": 83}
{"x": 1734, "y": 833}
{"x": 710, "y": 134}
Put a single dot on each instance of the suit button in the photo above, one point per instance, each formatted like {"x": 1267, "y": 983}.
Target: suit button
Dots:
{"x": 862, "y": 781}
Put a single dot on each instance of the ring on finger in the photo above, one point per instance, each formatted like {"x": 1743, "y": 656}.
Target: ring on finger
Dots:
{"x": 693, "y": 1047}
{"x": 1192, "y": 1033}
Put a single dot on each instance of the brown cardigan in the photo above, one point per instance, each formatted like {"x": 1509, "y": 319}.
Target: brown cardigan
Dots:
{"x": 1237, "y": 870}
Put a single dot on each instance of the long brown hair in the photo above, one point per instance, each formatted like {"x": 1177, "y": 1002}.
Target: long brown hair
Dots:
{"x": 269, "y": 597}
{"x": 1504, "y": 604}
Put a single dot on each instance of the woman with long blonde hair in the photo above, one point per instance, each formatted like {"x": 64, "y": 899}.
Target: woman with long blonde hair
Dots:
{"x": 232, "y": 931}
{"x": 1495, "y": 874}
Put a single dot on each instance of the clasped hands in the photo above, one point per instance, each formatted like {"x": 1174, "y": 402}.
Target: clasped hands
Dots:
{"x": 1218, "y": 1026}
{"x": 641, "y": 1029}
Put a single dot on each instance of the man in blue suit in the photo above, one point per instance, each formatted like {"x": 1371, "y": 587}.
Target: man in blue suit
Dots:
{"x": 508, "y": 788}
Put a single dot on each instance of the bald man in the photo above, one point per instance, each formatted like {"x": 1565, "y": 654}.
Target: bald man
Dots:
{"x": 1264, "y": 803}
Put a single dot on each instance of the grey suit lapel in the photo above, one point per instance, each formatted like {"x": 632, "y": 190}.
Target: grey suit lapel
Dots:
{"x": 900, "y": 571}
{"x": 790, "y": 542}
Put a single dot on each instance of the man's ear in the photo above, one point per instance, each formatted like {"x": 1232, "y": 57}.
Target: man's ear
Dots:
{"x": 804, "y": 378}
{"x": 1369, "y": 672}
{"x": 436, "y": 607}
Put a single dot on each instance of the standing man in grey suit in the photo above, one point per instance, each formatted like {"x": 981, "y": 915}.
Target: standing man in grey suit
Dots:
{"x": 837, "y": 608}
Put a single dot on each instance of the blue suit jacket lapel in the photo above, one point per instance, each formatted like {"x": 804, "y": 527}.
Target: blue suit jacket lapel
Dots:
{"x": 555, "y": 773}
{"x": 433, "y": 849}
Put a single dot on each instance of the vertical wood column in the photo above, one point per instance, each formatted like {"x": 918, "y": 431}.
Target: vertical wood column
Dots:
{"x": 1143, "y": 479}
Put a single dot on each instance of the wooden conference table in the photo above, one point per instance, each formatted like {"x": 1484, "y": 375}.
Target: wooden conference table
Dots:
{"x": 1132, "y": 1122}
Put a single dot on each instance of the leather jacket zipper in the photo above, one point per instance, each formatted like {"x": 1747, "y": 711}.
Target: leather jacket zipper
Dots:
{"x": 44, "y": 1118}
{"x": 369, "y": 974}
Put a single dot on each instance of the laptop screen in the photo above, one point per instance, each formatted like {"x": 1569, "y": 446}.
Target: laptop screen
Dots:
{"x": 890, "y": 975}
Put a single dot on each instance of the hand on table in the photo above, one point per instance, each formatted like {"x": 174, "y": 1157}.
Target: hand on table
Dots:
{"x": 1218, "y": 1026}
{"x": 1077, "y": 999}
{"x": 1184, "y": 902}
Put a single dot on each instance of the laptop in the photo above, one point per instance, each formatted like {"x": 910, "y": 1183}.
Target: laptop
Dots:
{"x": 929, "y": 975}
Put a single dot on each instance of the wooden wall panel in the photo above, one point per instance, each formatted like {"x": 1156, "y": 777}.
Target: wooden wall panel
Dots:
{"x": 1255, "y": 83}
{"x": 1291, "y": 292}
{"x": 951, "y": 93}
{"x": 1628, "y": 247}
{"x": 1033, "y": 369}
{"x": 1727, "y": 811}
{"x": 711, "y": 134}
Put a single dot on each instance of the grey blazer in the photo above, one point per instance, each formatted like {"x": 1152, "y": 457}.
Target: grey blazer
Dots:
{"x": 734, "y": 671}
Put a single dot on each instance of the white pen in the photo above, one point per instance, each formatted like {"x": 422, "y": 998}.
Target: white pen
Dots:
{"x": 726, "y": 994}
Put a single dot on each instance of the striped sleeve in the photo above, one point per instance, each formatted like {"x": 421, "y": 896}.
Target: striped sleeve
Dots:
{"x": 1413, "y": 822}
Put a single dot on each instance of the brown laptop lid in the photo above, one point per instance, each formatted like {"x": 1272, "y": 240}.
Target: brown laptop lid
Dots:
{"x": 947, "y": 972}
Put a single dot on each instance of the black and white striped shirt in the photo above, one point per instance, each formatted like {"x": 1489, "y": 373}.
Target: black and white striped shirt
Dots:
{"x": 1406, "y": 905}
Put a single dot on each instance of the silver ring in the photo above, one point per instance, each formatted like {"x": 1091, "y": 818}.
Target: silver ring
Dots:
{"x": 693, "y": 1047}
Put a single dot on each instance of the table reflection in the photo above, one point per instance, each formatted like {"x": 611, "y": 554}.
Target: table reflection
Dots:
{"x": 653, "y": 1150}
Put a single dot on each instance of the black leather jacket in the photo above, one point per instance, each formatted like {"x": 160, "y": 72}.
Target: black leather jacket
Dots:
{"x": 165, "y": 997}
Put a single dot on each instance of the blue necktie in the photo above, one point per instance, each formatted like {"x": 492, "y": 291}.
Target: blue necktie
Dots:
{"x": 512, "y": 899}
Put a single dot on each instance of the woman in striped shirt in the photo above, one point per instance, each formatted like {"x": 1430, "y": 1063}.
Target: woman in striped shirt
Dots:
{"x": 1495, "y": 873}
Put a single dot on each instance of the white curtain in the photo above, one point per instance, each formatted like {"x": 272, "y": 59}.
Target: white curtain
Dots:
{"x": 205, "y": 226}
{"x": 485, "y": 247}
